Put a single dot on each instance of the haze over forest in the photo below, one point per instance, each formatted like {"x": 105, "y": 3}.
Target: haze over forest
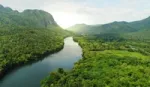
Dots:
{"x": 74, "y": 43}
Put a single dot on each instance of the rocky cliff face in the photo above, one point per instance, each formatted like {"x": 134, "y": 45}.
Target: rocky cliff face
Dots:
{"x": 28, "y": 18}
{"x": 42, "y": 18}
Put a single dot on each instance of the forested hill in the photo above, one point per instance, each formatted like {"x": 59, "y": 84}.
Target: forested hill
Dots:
{"x": 114, "y": 55}
{"x": 114, "y": 27}
{"x": 28, "y": 18}
{"x": 26, "y": 37}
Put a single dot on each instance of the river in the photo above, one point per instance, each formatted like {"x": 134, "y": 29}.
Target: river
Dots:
{"x": 31, "y": 75}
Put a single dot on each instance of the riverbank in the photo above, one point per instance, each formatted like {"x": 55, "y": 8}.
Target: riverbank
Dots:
{"x": 104, "y": 64}
{"x": 31, "y": 60}
{"x": 31, "y": 75}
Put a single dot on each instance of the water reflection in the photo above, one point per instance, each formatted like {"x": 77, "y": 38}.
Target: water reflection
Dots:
{"x": 31, "y": 75}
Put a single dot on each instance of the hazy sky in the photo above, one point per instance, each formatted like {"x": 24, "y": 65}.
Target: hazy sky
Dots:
{"x": 70, "y": 12}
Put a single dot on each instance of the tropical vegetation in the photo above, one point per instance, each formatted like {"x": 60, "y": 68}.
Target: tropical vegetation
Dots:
{"x": 106, "y": 63}
{"x": 27, "y": 37}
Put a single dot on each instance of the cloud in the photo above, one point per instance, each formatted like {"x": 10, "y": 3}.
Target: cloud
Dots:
{"x": 105, "y": 15}
{"x": 34, "y": 4}
{"x": 70, "y": 12}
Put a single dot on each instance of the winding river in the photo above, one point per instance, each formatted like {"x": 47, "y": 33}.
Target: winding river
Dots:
{"x": 31, "y": 75}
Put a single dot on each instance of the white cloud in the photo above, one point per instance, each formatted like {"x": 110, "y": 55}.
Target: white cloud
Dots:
{"x": 70, "y": 12}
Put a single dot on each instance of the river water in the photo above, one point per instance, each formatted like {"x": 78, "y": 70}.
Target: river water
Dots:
{"x": 31, "y": 75}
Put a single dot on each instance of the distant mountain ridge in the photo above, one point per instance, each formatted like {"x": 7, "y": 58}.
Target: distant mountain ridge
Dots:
{"x": 30, "y": 18}
{"x": 114, "y": 27}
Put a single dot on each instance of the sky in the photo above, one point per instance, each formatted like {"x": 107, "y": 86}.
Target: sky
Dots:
{"x": 70, "y": 12}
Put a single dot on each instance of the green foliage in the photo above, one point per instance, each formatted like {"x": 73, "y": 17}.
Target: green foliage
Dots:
{"x": 28, "y": 18}
{"x": 28, "y": 44}
{"x": 27, "y": 36}
{"x": 142, "y": 35}
{"x": 60, "y": 70}
{"x": 114, "y": 27}
{"x": 137, "y": 30}
{"x": 108, "y": 64}
{"x": 53, "y": 78}
{"x": 109, "y": 37}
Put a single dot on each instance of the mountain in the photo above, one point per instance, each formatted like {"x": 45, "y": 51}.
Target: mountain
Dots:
{"x": 141, "y": 24}
{"x": 140, "y": 35}
{"x": 30, "y": 18}
{"x": 79, "y": 28}
{"x": 39, "y": 17}
{"x": 27, "y": 36}
{"x": 114, "y": 27}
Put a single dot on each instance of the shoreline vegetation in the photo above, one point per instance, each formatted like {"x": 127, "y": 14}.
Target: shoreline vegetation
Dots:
{"x": 116, "y": 54}
{"x": 49, "y": 42}
{"x": 105, "y": 63}
{"x": 31, "y": 60}
{"x": 27, "y": 37}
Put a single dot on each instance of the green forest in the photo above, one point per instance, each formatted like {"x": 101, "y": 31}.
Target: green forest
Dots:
{"x": 106, "y": 63}
{"x": 21, "y": 43}
{"x": 115, "y": 54}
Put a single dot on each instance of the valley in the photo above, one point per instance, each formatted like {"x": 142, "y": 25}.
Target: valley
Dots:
{"x": 36, "y": 52}
{"x": 106, "y": 64}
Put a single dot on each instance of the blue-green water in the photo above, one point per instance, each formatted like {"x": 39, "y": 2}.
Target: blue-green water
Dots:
{"x": 31, "y": 75}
